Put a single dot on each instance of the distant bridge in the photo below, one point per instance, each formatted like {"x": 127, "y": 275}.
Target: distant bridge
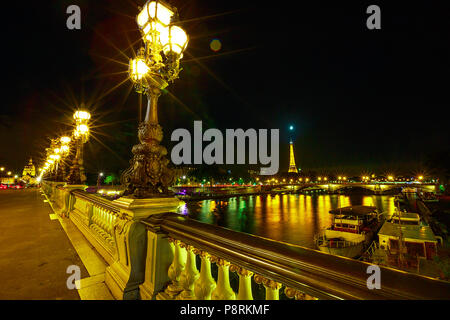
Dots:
{"x": 377, "y": 188}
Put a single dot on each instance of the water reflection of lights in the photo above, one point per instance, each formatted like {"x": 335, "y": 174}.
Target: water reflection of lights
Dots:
{"x": 368, "y": 201}
{"x": 296, "y": 221}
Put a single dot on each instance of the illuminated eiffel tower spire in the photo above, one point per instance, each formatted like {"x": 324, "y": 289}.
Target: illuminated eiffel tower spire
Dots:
{"x": 292, "y": 166}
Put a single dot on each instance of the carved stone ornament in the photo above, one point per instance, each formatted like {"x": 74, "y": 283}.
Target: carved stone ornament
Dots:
{"x": 149, "y": 174}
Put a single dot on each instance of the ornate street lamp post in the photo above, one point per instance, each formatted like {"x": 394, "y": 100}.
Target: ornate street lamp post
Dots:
{"x": 53, "y": 158}
{"x": 81, "y": 136}
{"x": 62, "y": 152}
{"x": 156, "y": 64}
{"x": 148, "y": 178}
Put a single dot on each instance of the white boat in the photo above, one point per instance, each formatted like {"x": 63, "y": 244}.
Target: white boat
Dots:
{"x": 405, "y": 233}
{"x": 351, "y": 232}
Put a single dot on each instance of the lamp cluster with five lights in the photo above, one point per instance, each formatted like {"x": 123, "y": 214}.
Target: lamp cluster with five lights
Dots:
{"x": 158, "y": 62}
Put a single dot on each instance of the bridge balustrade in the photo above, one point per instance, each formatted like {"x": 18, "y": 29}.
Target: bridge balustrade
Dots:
{"x": 169, "y": 256}
{"x": 299, "y": 272}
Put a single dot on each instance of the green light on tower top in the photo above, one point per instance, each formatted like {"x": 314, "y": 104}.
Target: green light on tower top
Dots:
{"x": 291, "y": 127}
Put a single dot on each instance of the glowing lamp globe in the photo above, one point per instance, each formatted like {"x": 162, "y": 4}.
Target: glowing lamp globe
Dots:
{"x": 65, "y": 140}
{"x": 154, "y": 20}
{"x": 82, "y": 129}
{"x": 81, "y": 116}
{"x": 138, "y": 69}
{"x": 178, "y": 40}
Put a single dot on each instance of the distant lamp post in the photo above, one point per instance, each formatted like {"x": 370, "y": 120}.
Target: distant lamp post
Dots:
{"x": 156, "y": 64}
{"x": 81, "y": 136}
{"x": 9, "y": 173}
{"x": 65, "y": 140}
{"x": 420, "y": 178}
{"x": 63, "y": 152}
{"x": 57, "y": 157}
{"x": 390, "y": 178}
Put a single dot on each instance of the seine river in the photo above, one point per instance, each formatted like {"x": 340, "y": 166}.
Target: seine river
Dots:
{"x": 292, "y": 218}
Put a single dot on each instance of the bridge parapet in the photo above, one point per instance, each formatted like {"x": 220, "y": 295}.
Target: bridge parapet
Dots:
{"x": 152, "y": 255}
{"x": 302, "y": 272}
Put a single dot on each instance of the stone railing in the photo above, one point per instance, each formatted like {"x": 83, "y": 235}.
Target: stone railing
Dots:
{"x": 154, "y": 253}
{"x": 95, "y": 218}
{"x": 113, "y": 228}
{"x": 178, "y": 245}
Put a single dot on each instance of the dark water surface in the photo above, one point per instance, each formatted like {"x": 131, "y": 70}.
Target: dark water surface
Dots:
{"x": 292, "y": 218}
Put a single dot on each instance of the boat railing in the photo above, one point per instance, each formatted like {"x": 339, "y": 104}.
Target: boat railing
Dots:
{"x": 321, "y": 240}
{"x": 370, "y": 250}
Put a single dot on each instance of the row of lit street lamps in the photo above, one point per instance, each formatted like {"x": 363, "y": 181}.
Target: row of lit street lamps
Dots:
{"x": 156, "y": 64}
{"x": 59, "y": 153}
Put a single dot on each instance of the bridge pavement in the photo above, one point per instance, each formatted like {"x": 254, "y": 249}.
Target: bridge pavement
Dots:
{"x": 34, "y": 249}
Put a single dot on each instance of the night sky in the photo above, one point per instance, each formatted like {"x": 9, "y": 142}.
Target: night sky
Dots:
{"x": 358, "y": 98}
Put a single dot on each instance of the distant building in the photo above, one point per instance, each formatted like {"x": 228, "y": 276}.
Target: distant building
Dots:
{"x": 29, "y": 173}
{"x": 7, "y": 180}
{"x": 29, "y": 169}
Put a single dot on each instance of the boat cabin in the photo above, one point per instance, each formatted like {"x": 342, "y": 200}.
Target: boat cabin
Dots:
{"x": 354, "y": 219}
{"x": 417, "y": 238}
{"x": 406, "y": 218}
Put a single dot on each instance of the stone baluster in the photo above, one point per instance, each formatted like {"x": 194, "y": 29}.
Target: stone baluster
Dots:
{"x": 176, "y": 268}
{"x": 205, "y": 284}
{"x": 93, "y": 217}
{"x": 297, "y": 294}
{"x": 245, "y": 283}
{"x": 223, "y": 290}
{"x": 101, "y": 218}
{"x": 189, "y": 275}
{"x": 111, "y": 224}
{"x": 272, "y": 287}
{"x": 108, "y": 221}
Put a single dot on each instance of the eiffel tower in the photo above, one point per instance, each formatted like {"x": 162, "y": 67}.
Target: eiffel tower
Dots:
{"x": 292, "y": 166}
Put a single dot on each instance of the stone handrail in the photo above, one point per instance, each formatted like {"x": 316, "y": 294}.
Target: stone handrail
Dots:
{"x": 304, "y": 273}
